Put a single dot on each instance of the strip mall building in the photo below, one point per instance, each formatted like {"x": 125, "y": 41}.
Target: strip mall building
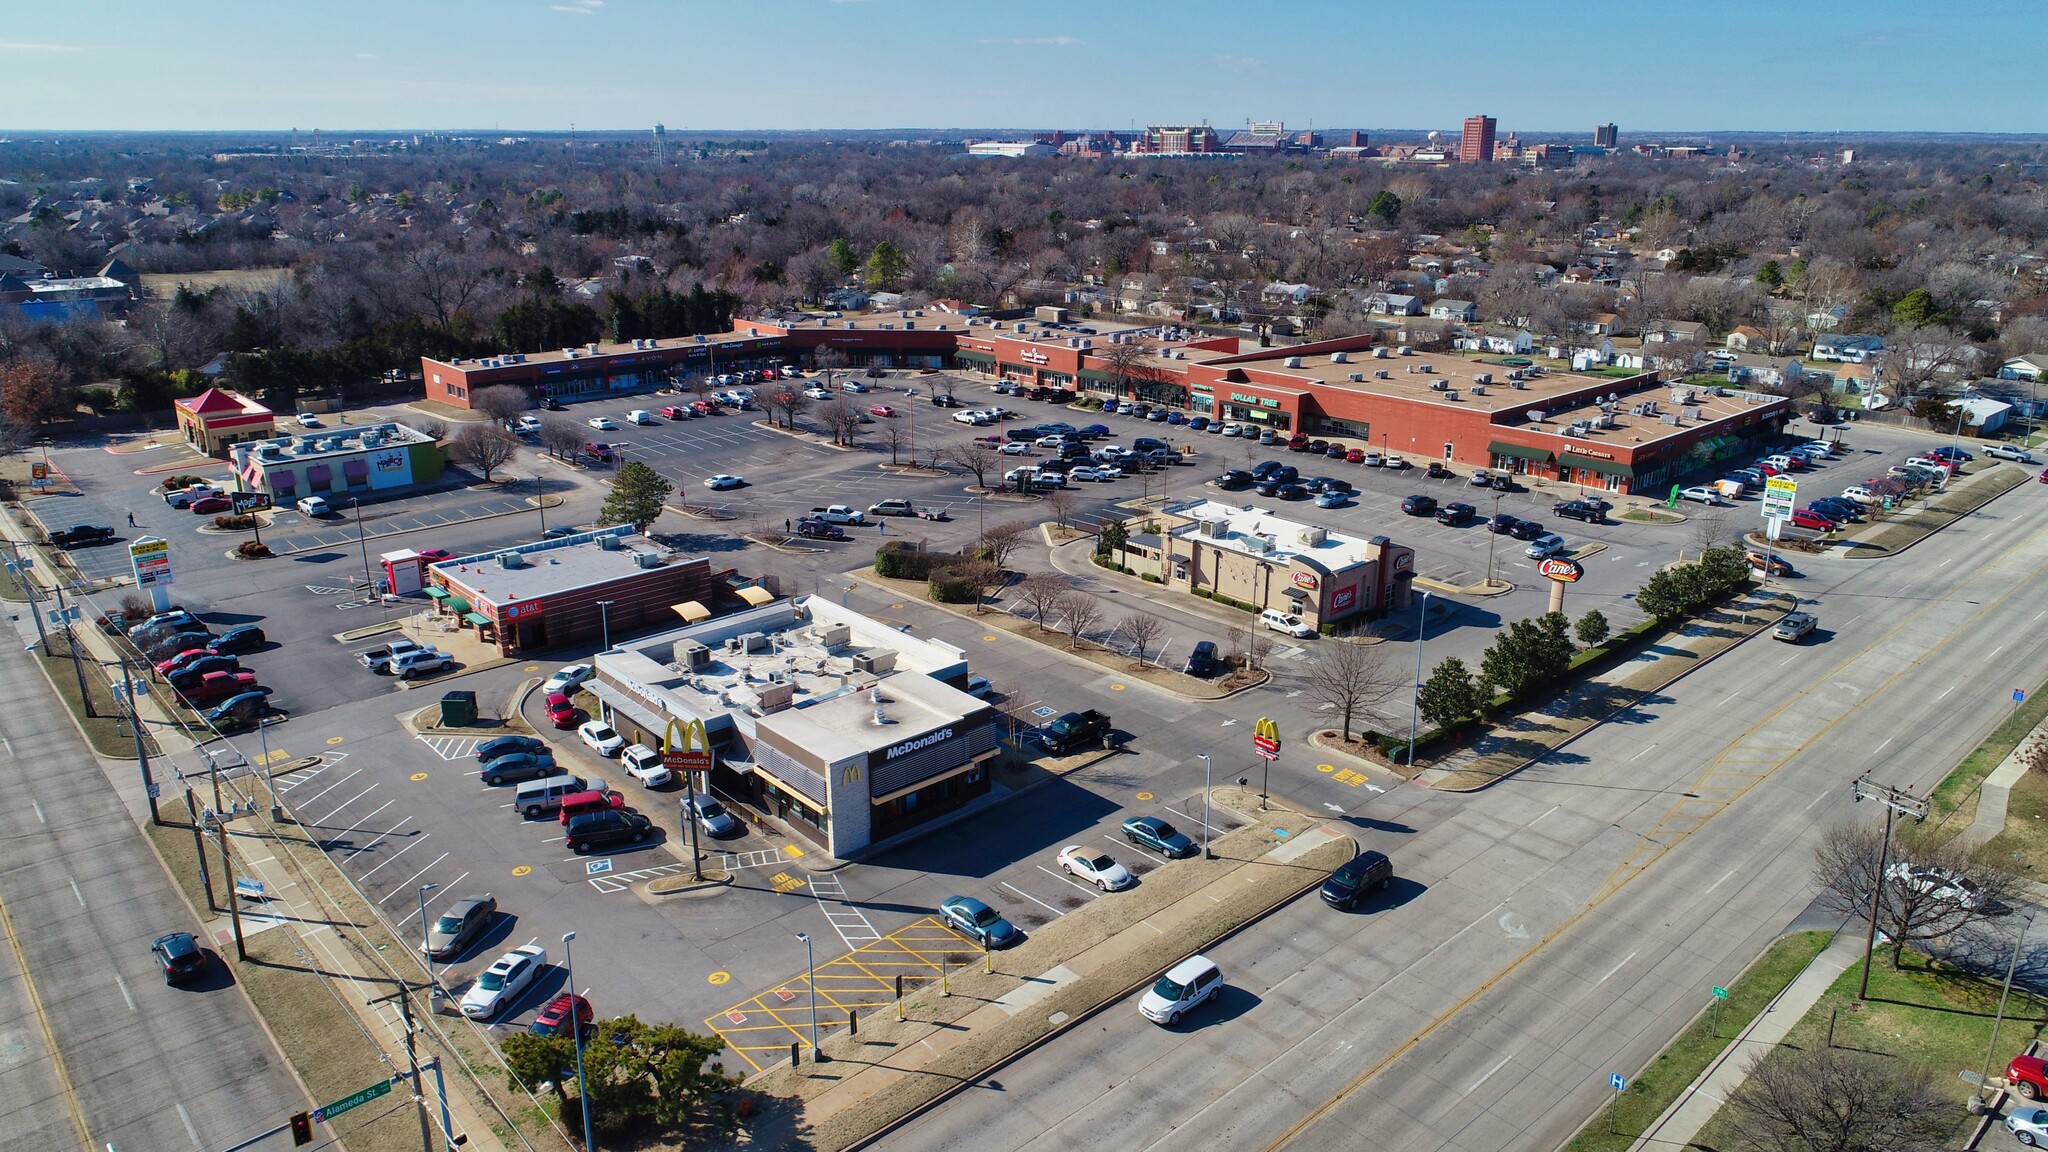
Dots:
{"x": 1629, "y": 435}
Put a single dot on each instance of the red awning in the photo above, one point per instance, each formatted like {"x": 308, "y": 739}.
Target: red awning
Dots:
{"x": 317, "y": 475}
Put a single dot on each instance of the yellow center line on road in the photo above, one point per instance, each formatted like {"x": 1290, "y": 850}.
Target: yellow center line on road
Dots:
{"x": 57, "y": 1064}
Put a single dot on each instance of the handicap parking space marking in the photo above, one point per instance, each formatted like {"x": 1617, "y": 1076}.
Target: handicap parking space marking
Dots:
{"x": 862, "y": 980}
{"x": 450, "y": 747}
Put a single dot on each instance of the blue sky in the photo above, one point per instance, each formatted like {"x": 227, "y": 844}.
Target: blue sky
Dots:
{"x": 544, "y": 65}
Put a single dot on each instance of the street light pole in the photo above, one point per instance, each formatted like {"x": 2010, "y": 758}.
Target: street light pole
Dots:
{"x": 1491, "y": 536}
{"x": 1208, "y": 770}
{"x": 425, "y": 949}
{"x": 1415, "y": 701}
{"x": 540, "y": 501}
{"x": 604, "y": 616}
{"x": 362, "y": 542}
{"x": 576, "y": 1022}
{"x": 811, "y": 966}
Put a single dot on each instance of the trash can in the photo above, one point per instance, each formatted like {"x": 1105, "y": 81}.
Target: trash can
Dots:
{"x": 458, "y": 709}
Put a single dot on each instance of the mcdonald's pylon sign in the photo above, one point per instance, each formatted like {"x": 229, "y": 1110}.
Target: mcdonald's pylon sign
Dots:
{"x": 685, "y": 748}
{"x": 1266, "y": 738}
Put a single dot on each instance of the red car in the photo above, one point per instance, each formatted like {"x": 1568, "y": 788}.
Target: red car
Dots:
{"x": 555, "y": 1017}
{"x": 2044, "y": 475}
{"x": 215, "y": 687}
{"x": 212, "y": 504}
{"x": 436, "y": 555}
{"x": 598, "y": 451}
{"x": 672, "y": 412}
{"x": 166, "y": 667}
{"x": 2028, "y": 1076}
{"x": 882, "y": 410}
{"x": 1355, "y": 456}
{"x": 703, "y": 407}
{"x": 561, "y": 713}
{"x": 1808, "y": 518}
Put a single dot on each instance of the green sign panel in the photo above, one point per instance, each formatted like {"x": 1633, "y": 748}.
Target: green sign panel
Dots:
{"x": 354, "y": 1100}
{"x": 1720, "y": 993}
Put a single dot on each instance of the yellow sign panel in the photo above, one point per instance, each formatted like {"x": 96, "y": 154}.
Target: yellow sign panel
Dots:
{"x": 685, "y": 747}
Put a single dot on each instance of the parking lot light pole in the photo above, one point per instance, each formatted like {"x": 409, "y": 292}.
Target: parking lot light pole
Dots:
{"x": 362, "y": 542}
{"x": 1208, "y": 770}
{"x": 811, "y": 966}
{"x": 576, "y": 1023}
{"x": 604, "y": 616}
{"x": 540, "y": 501}
{"x": 425, "y": 950}
{"x": 1415, "y": 701}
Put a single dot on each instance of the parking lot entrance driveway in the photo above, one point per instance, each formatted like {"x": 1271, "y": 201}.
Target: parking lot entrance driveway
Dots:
{"x": 761, "y": 1028}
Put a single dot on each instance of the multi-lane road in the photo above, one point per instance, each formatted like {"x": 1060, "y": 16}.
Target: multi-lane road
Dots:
{"x": 95, "y": 1050}
{"x": 1565, "y": 924}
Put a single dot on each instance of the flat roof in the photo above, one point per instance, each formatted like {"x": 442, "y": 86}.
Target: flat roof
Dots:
{"x": 1417, "y": 377}
{"x": 334, "y": 442}
{"x": 843, "y": 723}
{"x": 1255, "y": 531}
{"x": 554, "y": 566}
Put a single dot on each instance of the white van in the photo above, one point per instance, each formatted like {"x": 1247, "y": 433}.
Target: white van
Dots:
{"x": 640, "y": 416}
{"x": 1181, "y": 990}
{"x": 314, "y": 506}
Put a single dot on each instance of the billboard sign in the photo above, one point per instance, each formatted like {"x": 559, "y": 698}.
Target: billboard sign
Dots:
{"x": 1562, "y": 571}
{"x": 149, "y": 558}
{"x": 1780, "y": 494}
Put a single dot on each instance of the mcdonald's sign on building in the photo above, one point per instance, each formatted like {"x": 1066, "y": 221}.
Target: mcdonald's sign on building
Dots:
{"x": 685, "y": 748}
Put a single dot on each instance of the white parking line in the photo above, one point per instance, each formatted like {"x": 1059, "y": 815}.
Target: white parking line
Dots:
{"x": 331, "y": 812}
{"x": 358, "y": 824}
{"x": 1065, "y": 879}
{"x": 366, "y": 847}
{"x": 123, "y": 984}
{"x": 405, "y": 886}
{"x": 1029, "y": 896}
{"x": 424, "y": 836}
{"x": 331, "y": 787}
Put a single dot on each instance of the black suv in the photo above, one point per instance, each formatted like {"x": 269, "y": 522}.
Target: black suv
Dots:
{"x": 180, "y": 957}
{"x": 1367, "y": 872}
{"x": 1526, "y": 530}
{"x": 1578, "y": 510}
{"x": 1234, "y": 480}
{"x": 602, "y": 829}
{"x": 1265, "y": 468}
{"x": 1202, "y": 661}
{"x": 1455, "y": 514}
{"x": 1419, "y": 505}
{"x": 1501, "y": 522}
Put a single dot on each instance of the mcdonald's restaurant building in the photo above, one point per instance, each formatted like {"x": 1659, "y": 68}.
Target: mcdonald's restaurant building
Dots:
{"x": 848, "y": 735}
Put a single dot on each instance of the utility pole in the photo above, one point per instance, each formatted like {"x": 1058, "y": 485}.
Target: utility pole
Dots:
{"x": 141, "y": 746}
{"x": 412, "y": 1058}
{"x": 199, "y": 846}
{"x": 71, "y": 643}
{"x": 1896, "y": 801}
{"x": 19, "y": 568}
{"x": 227, "y": 879}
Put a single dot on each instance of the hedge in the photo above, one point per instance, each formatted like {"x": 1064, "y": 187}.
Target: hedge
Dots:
{"x": 901, "y": 560}
{"x": 1226, "y": 601}
{"x": 950, "y": 588}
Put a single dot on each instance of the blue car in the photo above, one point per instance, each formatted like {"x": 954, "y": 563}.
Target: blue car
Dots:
{"x": 1095, "y": 431}
{"x": 1161, "y": 837}
{"x": 980, "y": 922}
{"x": 1199, "y": 423}
{"x": 1175, "y": 418}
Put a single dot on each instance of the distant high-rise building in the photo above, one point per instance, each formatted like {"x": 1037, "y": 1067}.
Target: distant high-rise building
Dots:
{"x": 1606, "y": 135}
{"x": 1356, "y": 139}
{"x": 1182, "y": 138}
{"x": 1476, "y": 145}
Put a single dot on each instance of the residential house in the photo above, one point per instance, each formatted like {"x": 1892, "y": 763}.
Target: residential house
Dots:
{"x": 1600, "y": 324}
{"x": 1500, "y": 341}
{"x": 1294, "y": 295}
{"x": 1747, "y": 338}
{"x": 1848, "y": 349}
{"x": 1393, "y": 304}
{"x": 1749, "y": 370}
{"x": 1940, "y": 357}
{"x": 1463, "y": 311}
{"x": 1828, "y": 318}
{"x": 1983, "y": 414}
{"x": 1675, "y": 332}
{"x": 2024, "y": 395}
{"x": 2030, "y": 366}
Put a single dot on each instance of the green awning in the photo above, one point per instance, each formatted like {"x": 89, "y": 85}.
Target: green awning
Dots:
{"x": 477, "y": 619}
{"x": 977, "y": 357}
{"x": 1503, "y": 448}
{"x": 1603, "y": 467}
{"x": 456, "y": 604}
{"x": 437, "y": 592}
{"x": 1098, "y": 377}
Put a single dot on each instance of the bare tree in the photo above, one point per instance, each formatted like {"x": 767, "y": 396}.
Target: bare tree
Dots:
{"x": 986, "y": 576}
{"x": 1235, "y": 641}
{"x": 841, "y": 417}
{"x": 1043, "y": 593}
{"x": 828, "y": 360}
{"x": 432, "y": 427}
{"x": 896, "y": 436}
{"x": 1257, "y": 646}
{"x": 1924, "y": 891}
{"x": 943, "y": 385}
{"x": 1825, "y": 1099}
{"x": 1001, "y": 541}
{"x": 1709, "y": 530}
{"x": 979, "y": 459}
{"x": 701, "y": 386}
{"x": 790, "y": 401}
{"x": 502, "y": 402}
{"x": 1352, "y": 678}
{"x": 1124, "y": 364}
{"x": 484, "y": 447}
{"x": 1140, "y": 630}
{"x": 1082, "y": 613}
{"x": 561, "y": 436}
{"x": 1062, "y": 502}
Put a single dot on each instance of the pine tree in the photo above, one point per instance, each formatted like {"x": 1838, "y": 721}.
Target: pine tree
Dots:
{"x": 636, "y": 497}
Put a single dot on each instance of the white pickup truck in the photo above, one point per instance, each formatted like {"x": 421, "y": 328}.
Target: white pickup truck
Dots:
{"x": 183, "y": 497}
{"x": 839, "y": 514}
{"x": 379, "y": 659}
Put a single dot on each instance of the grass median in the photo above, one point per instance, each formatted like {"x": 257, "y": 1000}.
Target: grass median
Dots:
{"x": 1652, "y": 1089}
{"x": 105, "y": 728}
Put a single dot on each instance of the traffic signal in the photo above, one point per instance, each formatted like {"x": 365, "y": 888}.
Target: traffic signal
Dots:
{"x": 302, "y": 1128}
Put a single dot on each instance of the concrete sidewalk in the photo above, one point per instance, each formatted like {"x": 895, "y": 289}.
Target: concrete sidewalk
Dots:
{"x": 1704, "y": 1097}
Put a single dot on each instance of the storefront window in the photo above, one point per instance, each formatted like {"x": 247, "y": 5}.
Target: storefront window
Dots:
{"x": 1328, "y": 425}
{"x": 1156, "y": 393}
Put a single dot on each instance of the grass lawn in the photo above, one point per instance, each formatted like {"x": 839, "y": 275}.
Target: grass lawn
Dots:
{"x": 10, "y": 587}
{"x": 1954, "y": 802}
{"x": 1652, "y": 1089}
{"x": 1650, "y": 516}
{"x": 108, "y": 735}
{"x": 1926, "y": 1013}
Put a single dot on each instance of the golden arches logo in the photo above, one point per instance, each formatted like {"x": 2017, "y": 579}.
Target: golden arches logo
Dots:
{"x": 685, "y": 747}
{"x": 1266, "y": 737}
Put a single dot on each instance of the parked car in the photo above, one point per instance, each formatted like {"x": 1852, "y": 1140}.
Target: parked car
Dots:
{"x": 553, "y": 1019}
{"x": 2029, "y": 1126}
{"x": 1096, "y": 867}
{"x": 208, "y": 505}
{"x": 215, "y": 687}
{"x": 1159, "y": 836}
{"x": 605, "y": 828}
{"x": 1525, "y": 530}
{"x": 1287, "y": 623}
{"x": 982, "y": 924}
{"x": 1419, "y": 505}
{"x": 1366, "y": 872}
{"x": 1202, "y": 659}
{"x": 2027, "y": 1076}
{"x": 602, "y": 738}
{"x": 1807, "y": 518}
{"x": 1701, "y": 493}
{"x": 644, "y": 764}
{"x": 1500, "y": 523}
{"x": 501, "y": 984}
{"x": 2008, "y": 452}
{"x": 1578, "y": 510}
{"x": 1937, "y": 883}
{"x": 513, "y": 767}
{"x": 459, "y": 926}
{"x": 1183, "y": 989}
{"x": 602, "y": 423}
{"x": 1952, "y": 455}
{"x": 237, "y": 641}
{"x": 506, "y": 745}
{"x": 710, "y": 815}
{"x": 1548, "y": 544}
{"x": 1455, "y": 513}
{"x": 179, "y": 957}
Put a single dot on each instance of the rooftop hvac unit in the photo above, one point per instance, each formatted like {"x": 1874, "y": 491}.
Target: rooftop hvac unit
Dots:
{"x": 1425, "y": 368}
{"x": 1674, "y": 420}
{"x": 754, "y": 642}
{"x": 1380, "y": 352}
{"x": 647, "y": 559}
{"x": 1214, "y": 529}
{"x": 1311, "y": 536}
{"x": 1482, "y": 378}
{"x": 835, "y": 636}
{"x": 511, "y": 560}
{"x": 1340, "y": 357}
{"x": 1439, "y": 385}
{"x": 903, "y": 312}
{"x": 1404, "y": 350}
{"x": 1517, "y": 383}
{"x": 877, "y": 660}
{"x": 1085, "y": 342}
{"x": 1571, "y": 433}
{"x": 591, "y": 348}
{"x": 692, "y": 655}
{"x": 1292, "y": 362}
{"x": 609, "y": 542}
{"x": 1357, "y": 377}
{"x": 1536, "y": 415}
{"x": 1479, "y": 389}
{"x": 1450, "y": 393}
{"x": 701, "y": 340}
{"x": 1257, "y": 544}
{"x": 942, "y": 327}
